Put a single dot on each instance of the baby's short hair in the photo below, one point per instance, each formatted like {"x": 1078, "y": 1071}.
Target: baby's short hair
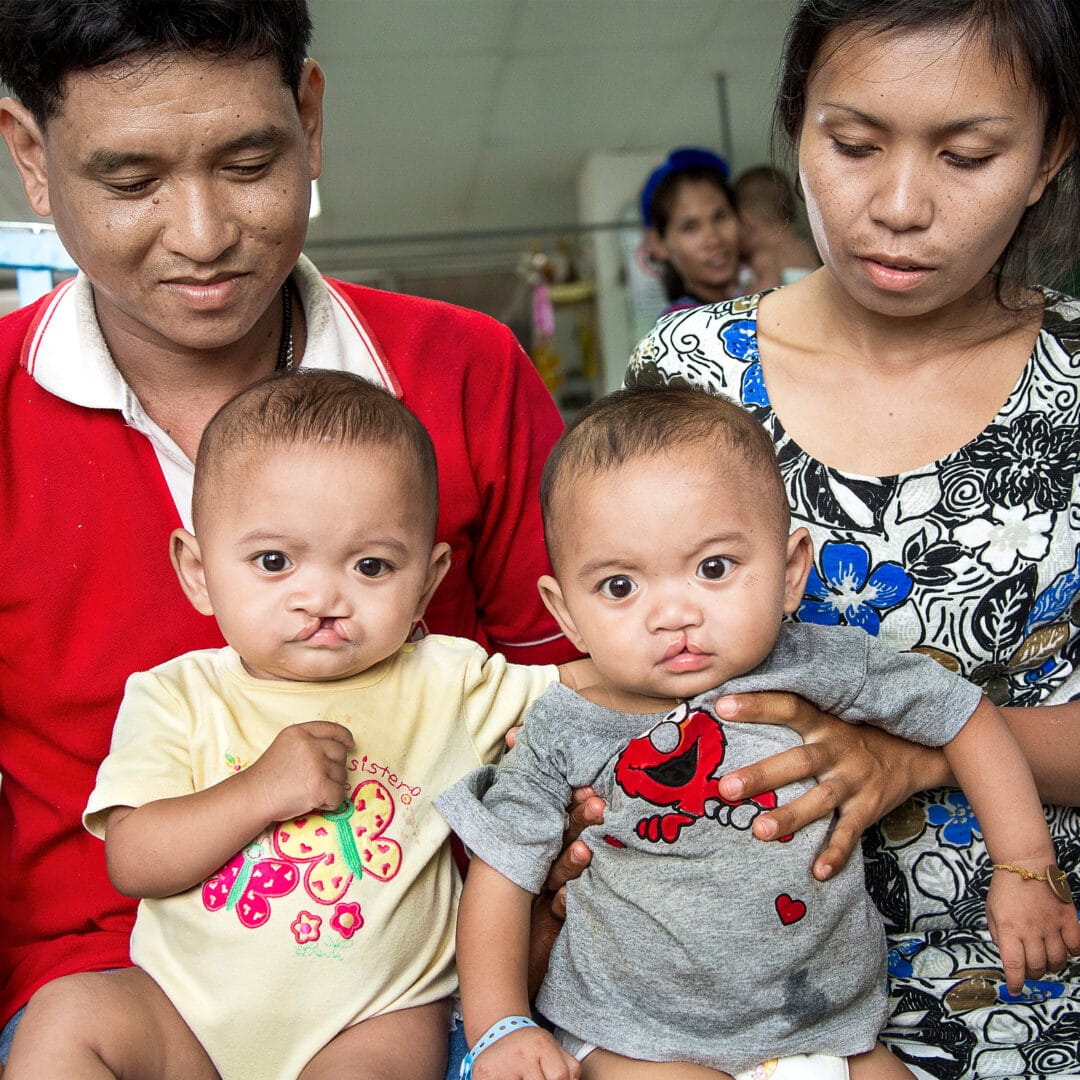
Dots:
{"x": 332, "y": 408}
{"x": 645, "y": 421}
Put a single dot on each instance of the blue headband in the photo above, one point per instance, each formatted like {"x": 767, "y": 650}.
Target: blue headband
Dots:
{"x": 687, "y": 157}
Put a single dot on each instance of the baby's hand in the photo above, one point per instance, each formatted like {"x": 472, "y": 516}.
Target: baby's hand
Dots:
{"x": 1034, "y": 931}
{"x": 303, "y": 769}
{"x": 528, "y": 1054}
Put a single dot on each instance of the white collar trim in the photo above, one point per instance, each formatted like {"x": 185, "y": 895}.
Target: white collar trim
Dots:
{"x": 68, "y": 356}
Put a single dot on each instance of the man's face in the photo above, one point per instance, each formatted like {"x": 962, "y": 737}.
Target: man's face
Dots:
{"x": 181, "y": 188}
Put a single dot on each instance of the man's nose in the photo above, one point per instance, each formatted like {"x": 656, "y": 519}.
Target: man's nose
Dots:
{"x": 199, "y": 225}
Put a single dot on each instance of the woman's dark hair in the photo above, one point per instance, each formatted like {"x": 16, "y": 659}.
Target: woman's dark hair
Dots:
{"x": 1038, "y": 40}
{"x": 44, "y": 41}
{"x": 660, "y": 204}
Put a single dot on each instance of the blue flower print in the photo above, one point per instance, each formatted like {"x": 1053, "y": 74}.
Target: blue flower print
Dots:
{"x": 847, "y": 590}
{"x": 957, "y": 818}
{"x": 1034, "y": 992}
{"x": 740, "y": 339}
{"x": 900, "y": 958}
{"x": 753, "y": 387}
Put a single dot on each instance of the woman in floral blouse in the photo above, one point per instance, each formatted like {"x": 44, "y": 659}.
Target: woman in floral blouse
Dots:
{"x": 925, "y": 405}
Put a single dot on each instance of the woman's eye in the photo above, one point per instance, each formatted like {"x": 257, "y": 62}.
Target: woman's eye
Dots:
{"x": 272, "y": 562}
{"x": 617, "y": 588}
{"x": 855, "y": 150}
{"x": 964, "y": 161}
{"x": 714, "y": 568}
{"x": 372, "y": 567}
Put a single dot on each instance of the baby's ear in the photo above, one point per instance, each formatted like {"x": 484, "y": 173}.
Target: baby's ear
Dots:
{"x": 438, "y": 564}
{"x": 187, "y": 562}
{"x": 800, "y": 558}
{"x": 551, "y": 594}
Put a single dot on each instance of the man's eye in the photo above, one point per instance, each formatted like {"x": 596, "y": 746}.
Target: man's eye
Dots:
{"x": 272, "y": 562}
{"x": 372, "y": 567}
{"x": 714, "y": 568}
{"x": 617, "y": 588}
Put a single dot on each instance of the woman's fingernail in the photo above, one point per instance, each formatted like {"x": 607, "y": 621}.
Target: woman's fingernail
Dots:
{"x": 724, "y": 706}
{"x": 731, "y": 787}
{"x": 766, "y": 829}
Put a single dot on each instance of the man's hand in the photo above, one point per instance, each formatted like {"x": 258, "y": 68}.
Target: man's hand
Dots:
{"x": 549, "y": 907}
{"x": 862, "y": 772}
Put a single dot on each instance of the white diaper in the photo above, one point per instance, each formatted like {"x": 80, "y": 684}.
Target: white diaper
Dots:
{"x": 797, "y": 1067}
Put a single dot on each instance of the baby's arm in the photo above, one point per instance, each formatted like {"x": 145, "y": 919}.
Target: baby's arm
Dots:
{"x": 168, "y": 845}
{"x": 1031, "y": 927}
{"x": 492, "y": 954}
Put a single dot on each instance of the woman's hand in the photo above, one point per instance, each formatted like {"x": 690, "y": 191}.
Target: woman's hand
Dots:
{"x": 862, "y": 772}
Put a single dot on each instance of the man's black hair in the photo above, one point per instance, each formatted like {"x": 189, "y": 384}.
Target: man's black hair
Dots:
{"x": 44, "y": 41}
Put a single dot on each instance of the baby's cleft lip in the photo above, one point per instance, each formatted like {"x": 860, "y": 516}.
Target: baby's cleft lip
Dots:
{"x": 682, "y": 644}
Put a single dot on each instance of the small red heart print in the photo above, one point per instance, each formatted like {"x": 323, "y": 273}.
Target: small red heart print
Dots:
{"x": 789, "y": 909}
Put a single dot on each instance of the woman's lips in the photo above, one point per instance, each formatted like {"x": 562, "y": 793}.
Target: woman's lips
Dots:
{"x": 894, "y": 275}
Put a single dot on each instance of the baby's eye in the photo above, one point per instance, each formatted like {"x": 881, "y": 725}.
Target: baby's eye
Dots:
{"x": 713, "y": 568}
{"x": 372, "y": 567}
{"x": 618, "y": 587}
{"x": 272, "y": 562}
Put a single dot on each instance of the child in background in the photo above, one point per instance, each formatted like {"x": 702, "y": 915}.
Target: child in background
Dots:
{"x": 688, "y": 941}
{"x": 774, "y": 254}
{"x": 271, "y": 801}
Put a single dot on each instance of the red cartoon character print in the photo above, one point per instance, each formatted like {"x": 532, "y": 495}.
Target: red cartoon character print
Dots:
{"x": 675, "y": 764}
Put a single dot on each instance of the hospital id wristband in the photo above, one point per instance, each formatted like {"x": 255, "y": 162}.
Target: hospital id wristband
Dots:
{"x": 506, "y": 1026}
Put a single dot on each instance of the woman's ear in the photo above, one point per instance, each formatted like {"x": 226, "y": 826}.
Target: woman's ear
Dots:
{"x": 551, "y": 594}
{"x": 1055, "y": 154}
{"x": 800, "y": 558}
{"x": 654, "y": 244}
{"x": 187, "y": 562}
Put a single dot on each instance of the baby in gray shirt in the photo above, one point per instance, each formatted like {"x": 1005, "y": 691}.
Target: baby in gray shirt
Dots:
{"x": 687, "y": 940}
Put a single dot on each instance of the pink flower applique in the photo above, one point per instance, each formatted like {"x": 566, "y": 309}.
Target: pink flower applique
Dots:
{"x": 305, "y": 927}
{"x": 347, "y": 919}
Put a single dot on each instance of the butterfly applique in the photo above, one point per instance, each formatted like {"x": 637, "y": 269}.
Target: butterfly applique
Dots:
{"x": 247, "y": 881}
{"x": 343, "y": 844}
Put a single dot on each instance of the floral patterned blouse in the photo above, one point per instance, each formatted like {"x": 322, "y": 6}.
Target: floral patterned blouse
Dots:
{"x": 974, "y": 560}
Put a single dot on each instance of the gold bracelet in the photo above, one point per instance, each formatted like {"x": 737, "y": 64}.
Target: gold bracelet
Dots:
{"x": 1054, "y": 877}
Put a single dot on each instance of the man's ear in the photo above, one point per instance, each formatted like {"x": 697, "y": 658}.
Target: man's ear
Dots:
{"x": 26, "y": 143}
{"x": 552, "y": 596}
{"x": 187, "y": 562}
{"x": 438, "y": 565}
{"x": 800, "y": 558}
{"x": 309, "y": 95}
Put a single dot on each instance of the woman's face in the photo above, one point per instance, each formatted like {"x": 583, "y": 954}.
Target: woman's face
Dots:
{"x": 918, "y": 155}
{"x": 701, "y": 240}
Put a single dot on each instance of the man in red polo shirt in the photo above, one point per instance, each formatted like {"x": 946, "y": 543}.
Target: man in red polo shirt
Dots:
{"x": 174, "y": 146}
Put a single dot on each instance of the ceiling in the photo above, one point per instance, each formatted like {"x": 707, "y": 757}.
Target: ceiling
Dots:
{"x": 465, "y": 116}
